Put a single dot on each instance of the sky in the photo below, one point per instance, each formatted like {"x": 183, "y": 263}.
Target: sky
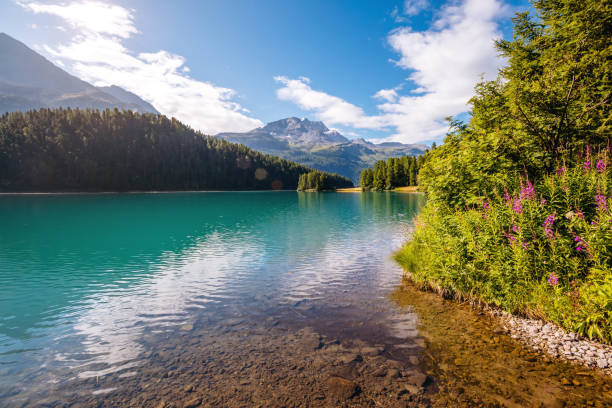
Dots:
{"x": 385, "y": 70}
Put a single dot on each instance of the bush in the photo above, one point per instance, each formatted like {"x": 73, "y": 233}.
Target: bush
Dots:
{"x": 541, "y": 249}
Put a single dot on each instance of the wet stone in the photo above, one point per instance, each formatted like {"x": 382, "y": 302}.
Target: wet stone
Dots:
{"x": 351, "y": 358}
{"x": 413, "y": 389}
{"x": 379, "y": 372}
{"x": 372, "y": 351}
{"x": 341, "y": 388}
{"x": 416, "y": 378}
{"x": 193, "y": 403}
{"x": 393, "y": 373}
{"x": 347, "y": 371}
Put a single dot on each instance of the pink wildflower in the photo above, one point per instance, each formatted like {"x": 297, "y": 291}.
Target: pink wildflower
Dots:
{"x": 601, "y": 166}
{"x": 601, "y": 202}
{"x": 528, "y": 192}
{"x": 517, "y": 206}
{"x": 553, "y": 279}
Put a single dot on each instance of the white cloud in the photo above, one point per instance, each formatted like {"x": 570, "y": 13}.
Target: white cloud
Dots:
{"x": 410, "y": 8}
{"x": 96, "y": 54}
{"x": 389, "y": 95}
{"x": 91, "y": 16}
{"x": 328, "y": 108}
{"x": 414, "y": 7}
{"x": 444, "y": 61}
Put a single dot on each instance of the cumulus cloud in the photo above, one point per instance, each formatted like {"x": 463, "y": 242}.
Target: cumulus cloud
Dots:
{"x": 328, "y": 108}
{"x": 414, "y": 7}
{"x": 444, "y": 63}
{"x": 97, "y": 54}
{"x": 389, "y": 95}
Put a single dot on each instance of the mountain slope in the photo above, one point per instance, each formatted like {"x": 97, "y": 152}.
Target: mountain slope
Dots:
{"x": 77, "y": 150}
{"x": 315, "y": 145}
{"x": 30, "y": 81}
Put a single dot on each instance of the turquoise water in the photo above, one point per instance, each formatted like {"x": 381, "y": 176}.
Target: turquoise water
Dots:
{"x": 83, "y": 278}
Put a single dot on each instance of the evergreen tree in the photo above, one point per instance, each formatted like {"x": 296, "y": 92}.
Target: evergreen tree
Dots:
{"x": 391, "y": 173}
{"x": 89, "y": 150}
{"x": 319, "y": 180}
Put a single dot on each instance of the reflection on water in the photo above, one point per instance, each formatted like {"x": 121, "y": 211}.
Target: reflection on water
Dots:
{"x": 85, "y": 278}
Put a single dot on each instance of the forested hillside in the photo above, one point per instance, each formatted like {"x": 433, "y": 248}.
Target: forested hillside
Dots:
{"x": 391, "y": 173}
{"x": 313, "y": 144}
{"x": 519, "y": 199}
{"x": 90, "y": 150}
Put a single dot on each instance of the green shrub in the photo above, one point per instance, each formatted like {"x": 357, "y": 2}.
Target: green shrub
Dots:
{"x": 542, "y": 249}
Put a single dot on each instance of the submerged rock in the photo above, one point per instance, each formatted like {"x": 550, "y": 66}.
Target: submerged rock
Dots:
{"x": 351, "y": 358}
{"x": 342, "y": 389}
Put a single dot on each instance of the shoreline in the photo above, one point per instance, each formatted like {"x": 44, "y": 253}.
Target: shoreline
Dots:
{"x": 400, "y": 190}
{"x": 541, "y": 336}
{"x": 134, "y": 192}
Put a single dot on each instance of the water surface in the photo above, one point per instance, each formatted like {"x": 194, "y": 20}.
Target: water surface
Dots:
{"x": 84, "y": 277}
{"x": 243, "y": 299}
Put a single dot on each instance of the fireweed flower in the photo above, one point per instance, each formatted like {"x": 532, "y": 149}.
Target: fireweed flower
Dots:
{"x": 553, "y": 279}
{"x": 561, "y": 171}
{"x": 507, "y": 198}
{"x": 543, "y": 201}
{"x": 511, "y": 239}
{"x": 525, "y": 245}
{"x": 549, "y": 233}
{"x": 549, "y": 221}
{"x": 485, "y": 208}
{"x": 548, "y": 224}
{"x": 601, "y": 202}
{"x": 516, "y": 229}
{"x": 528, "y": 192}
{"x": 586, "y": 166}
{"x": 517, "y": 206}
{"x": 601, "y": 166}
{"x": 580, "y": 244}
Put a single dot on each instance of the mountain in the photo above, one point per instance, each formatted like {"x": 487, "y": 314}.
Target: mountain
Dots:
{"x": 86, "y": 150}
{"x": 30, "y": 81}
{"x": 315, "y": 145}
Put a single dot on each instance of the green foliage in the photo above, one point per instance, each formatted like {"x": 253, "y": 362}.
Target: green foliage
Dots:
{"x": 391, "y": 173}
{"x": 544, "y": 121}
{"x": 548, "y": 104}
{"x": 88, "y": 150}
{"x": 545, "y": 252}
{"x": 320, "y": 180}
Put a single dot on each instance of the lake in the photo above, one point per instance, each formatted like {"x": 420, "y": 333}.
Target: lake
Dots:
{"x": 231, "y": 299}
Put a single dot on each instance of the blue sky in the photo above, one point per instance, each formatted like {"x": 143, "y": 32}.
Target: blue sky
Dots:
{"x": 384, "y": 70}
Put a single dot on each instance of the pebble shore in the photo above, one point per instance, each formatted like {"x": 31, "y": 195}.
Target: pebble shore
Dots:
{"x": 556, "y": 342}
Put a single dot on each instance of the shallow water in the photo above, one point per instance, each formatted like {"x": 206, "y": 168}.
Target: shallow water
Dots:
{"x": 224, "y": 299}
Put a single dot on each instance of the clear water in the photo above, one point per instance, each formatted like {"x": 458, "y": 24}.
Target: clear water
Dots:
{"x": 104, "y": 297}
{"x": 85, "y": 278}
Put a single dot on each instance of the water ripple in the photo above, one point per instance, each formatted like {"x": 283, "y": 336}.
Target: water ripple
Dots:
{"x": 85, "y": 280}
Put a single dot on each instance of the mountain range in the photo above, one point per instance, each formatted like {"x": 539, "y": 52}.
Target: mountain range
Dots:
{"x": 313, "y": 144}
{"x": 30, "y": 81}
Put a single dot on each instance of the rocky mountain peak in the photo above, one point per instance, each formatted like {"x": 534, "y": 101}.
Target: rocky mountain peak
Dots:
{"x": 302, "y": 131}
